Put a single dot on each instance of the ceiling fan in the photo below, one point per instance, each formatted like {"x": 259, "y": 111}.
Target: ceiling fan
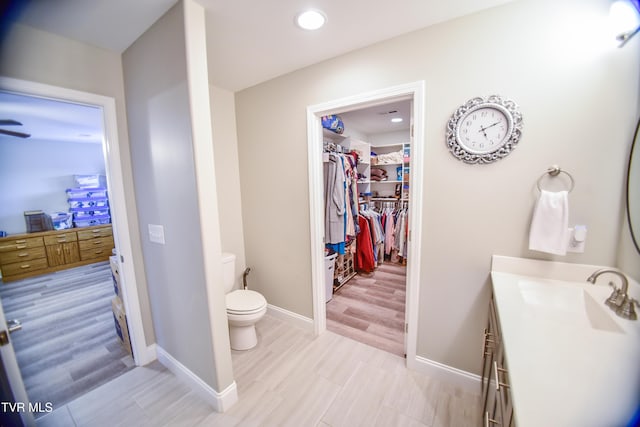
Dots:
{"x": 11, "y": 132}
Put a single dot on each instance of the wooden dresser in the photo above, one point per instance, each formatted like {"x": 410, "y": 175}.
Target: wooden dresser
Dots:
{"x": 26, "y": 255}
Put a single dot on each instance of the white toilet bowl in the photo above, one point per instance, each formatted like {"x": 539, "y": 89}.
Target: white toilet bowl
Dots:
{"x": 244, "y": 309}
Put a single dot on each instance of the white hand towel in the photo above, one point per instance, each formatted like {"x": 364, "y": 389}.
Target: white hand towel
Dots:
{"x": 549, "y": 225}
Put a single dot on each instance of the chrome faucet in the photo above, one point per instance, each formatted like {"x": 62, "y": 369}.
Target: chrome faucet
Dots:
{"x": 619, "y": 301}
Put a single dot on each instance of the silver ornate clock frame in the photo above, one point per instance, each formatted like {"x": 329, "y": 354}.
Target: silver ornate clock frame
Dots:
{"x": 514, "y": 118}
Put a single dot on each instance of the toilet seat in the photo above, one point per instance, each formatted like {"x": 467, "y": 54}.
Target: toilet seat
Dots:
{"x": 244, "y": 302}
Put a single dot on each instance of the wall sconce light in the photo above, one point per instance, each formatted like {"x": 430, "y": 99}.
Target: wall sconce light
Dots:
{"x": 624, "y": 16}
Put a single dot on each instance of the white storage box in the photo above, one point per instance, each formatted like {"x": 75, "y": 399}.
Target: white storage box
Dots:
{"x": 90, "y": 181}
{"x": 92, "y": 202}
{"x": 329, "y": 267}
{"x": 85, "y": 213}
{"x": 85, "y": 193}
{"x": 95, "y": 220}
{"x": 61, "y": 220}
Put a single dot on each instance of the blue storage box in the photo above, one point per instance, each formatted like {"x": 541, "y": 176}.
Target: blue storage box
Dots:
{"x": 85, "y": 193}
{"x": 92, "y": 202}
{"x": 94, "y": 220}
{"x": 61, "y": 220}
{"x": 82, "y": 213}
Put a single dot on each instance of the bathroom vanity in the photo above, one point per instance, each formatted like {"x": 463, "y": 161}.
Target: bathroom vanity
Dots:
{"x": 554, "y": 353}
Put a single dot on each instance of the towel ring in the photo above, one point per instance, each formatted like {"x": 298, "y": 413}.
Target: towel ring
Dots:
{"x": 555, "y": 171}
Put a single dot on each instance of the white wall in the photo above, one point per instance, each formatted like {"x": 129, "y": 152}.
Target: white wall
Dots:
{"x": 579, "y": 102}
{"x": 35, "y": 174}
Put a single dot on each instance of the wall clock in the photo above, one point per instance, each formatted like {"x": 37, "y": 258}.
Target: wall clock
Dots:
{"x": 484, "y": 130}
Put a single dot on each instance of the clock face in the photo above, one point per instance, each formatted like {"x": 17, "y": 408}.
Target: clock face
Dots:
{"x": 484, "y": 129}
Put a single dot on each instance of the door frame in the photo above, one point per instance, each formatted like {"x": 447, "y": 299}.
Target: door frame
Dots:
{"x": 142, "y": 353}
{"x": 416, "y": 92}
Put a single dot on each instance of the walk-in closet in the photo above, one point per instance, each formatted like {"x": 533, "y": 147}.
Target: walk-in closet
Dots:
{"x": 367, "y": 170}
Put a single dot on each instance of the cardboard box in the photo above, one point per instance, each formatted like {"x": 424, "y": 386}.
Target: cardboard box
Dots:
{"x": 120, "y": 320}
{"x": 115, "y": 275}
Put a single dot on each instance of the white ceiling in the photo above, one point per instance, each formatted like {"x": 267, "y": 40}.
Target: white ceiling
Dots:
{"x": 248, "y": 42}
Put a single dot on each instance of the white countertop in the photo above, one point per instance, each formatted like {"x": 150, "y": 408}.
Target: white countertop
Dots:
{"x": 571, "y": 360}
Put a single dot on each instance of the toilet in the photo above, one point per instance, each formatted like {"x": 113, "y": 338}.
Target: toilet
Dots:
{"x": 244, "y": 308}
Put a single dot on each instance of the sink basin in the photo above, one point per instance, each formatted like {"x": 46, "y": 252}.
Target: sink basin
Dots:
{"x": 568, "y": 303}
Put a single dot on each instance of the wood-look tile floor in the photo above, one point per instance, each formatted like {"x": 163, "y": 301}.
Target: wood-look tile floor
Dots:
{"x": 289, "y": 379}
{"x": 371, "y": 308}
{"x": 68, "y": 343}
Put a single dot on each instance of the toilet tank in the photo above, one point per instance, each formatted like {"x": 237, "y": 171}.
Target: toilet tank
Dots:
{"x": 228, "y": 270}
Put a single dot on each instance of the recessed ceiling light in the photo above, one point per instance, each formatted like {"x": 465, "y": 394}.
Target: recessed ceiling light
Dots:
{"x": 396, "y": 119}
{"x": 311, "y": 20}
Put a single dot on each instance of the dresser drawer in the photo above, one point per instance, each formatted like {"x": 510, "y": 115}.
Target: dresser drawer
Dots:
{"x": 60, "y": 238}
{"x": 94, "y": 233}
{"x": 21, "y": 255}
{"x": 9, "y": 244}
{"x": 24, "y": 267}
{"x": 96, "y": 248}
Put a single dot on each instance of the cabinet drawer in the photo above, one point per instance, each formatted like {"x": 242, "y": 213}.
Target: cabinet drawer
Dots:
{"x": 94, "y": 233}
{"x": 95, "y": 253}
{"x": 60, "y": 238}
{"x": 21, "y": 255}
{"x": 7, "y": 245}
{"x": 102, "y": 242}
{"x": 24, "y": 267}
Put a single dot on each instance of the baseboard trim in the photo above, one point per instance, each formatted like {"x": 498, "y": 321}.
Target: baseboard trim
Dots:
{"x": 463, "y": 379}
{"x": 220, "y": 401}
{"x": 290, "y": 317}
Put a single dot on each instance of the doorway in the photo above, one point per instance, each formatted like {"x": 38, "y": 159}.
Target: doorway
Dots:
{"x": 111, "y": 153}
{"x": 414, "y": 93}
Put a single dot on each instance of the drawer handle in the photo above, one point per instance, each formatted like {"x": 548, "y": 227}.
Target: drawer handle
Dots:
{"x": 21, "y": 241}
{"x": 23, "y": 266}
{"x": 21, "y": 246}
{"x": 98, "y": 251}
{"x": 488, "y": 420}
{"x": 23, "y": 254}
{"x": 97, "y": 242}
{"x": 96, "y": 231}
{"x": 62, "y": 239}
{"x": 496, "y": 370}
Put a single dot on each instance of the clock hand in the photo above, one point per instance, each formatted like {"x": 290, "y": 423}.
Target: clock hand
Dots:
{"x": 490, "y": 126}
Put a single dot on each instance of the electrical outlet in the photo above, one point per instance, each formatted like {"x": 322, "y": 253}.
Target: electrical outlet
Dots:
{"x": 577, "y": 238}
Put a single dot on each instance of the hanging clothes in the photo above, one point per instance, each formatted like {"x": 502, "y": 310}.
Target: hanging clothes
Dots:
{"x": 364, "y": 259}
{"x": 334, "y": 198}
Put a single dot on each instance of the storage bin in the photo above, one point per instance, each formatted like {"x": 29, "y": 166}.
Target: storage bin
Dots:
{"x": 85, "y": 193}
{"x": 85, "y": 213}
{"x": 92, "y": 202}
{"x": 115, "y": 275}
{"x": 90, "y": 181}
{"x": 329, "y": 267}
{"x": 95, "y": 220}
{"x": 61, "y": 220}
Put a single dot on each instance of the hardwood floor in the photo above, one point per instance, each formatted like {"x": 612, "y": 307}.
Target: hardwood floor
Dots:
{"x": 289, "y": 379}
{"x": 371, "y": 308}
{"x": 68, "y": 343}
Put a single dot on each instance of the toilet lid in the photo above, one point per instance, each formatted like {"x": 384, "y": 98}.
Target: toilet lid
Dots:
{"x": 244, "y": 300}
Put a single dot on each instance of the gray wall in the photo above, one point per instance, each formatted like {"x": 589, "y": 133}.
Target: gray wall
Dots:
{"x": 158, "y": 108}
{"x": 579, "y": 99}
{"x": 37, "y": 56}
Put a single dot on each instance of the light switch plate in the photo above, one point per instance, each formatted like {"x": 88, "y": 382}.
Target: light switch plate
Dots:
{"x": 156, "y": 233}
